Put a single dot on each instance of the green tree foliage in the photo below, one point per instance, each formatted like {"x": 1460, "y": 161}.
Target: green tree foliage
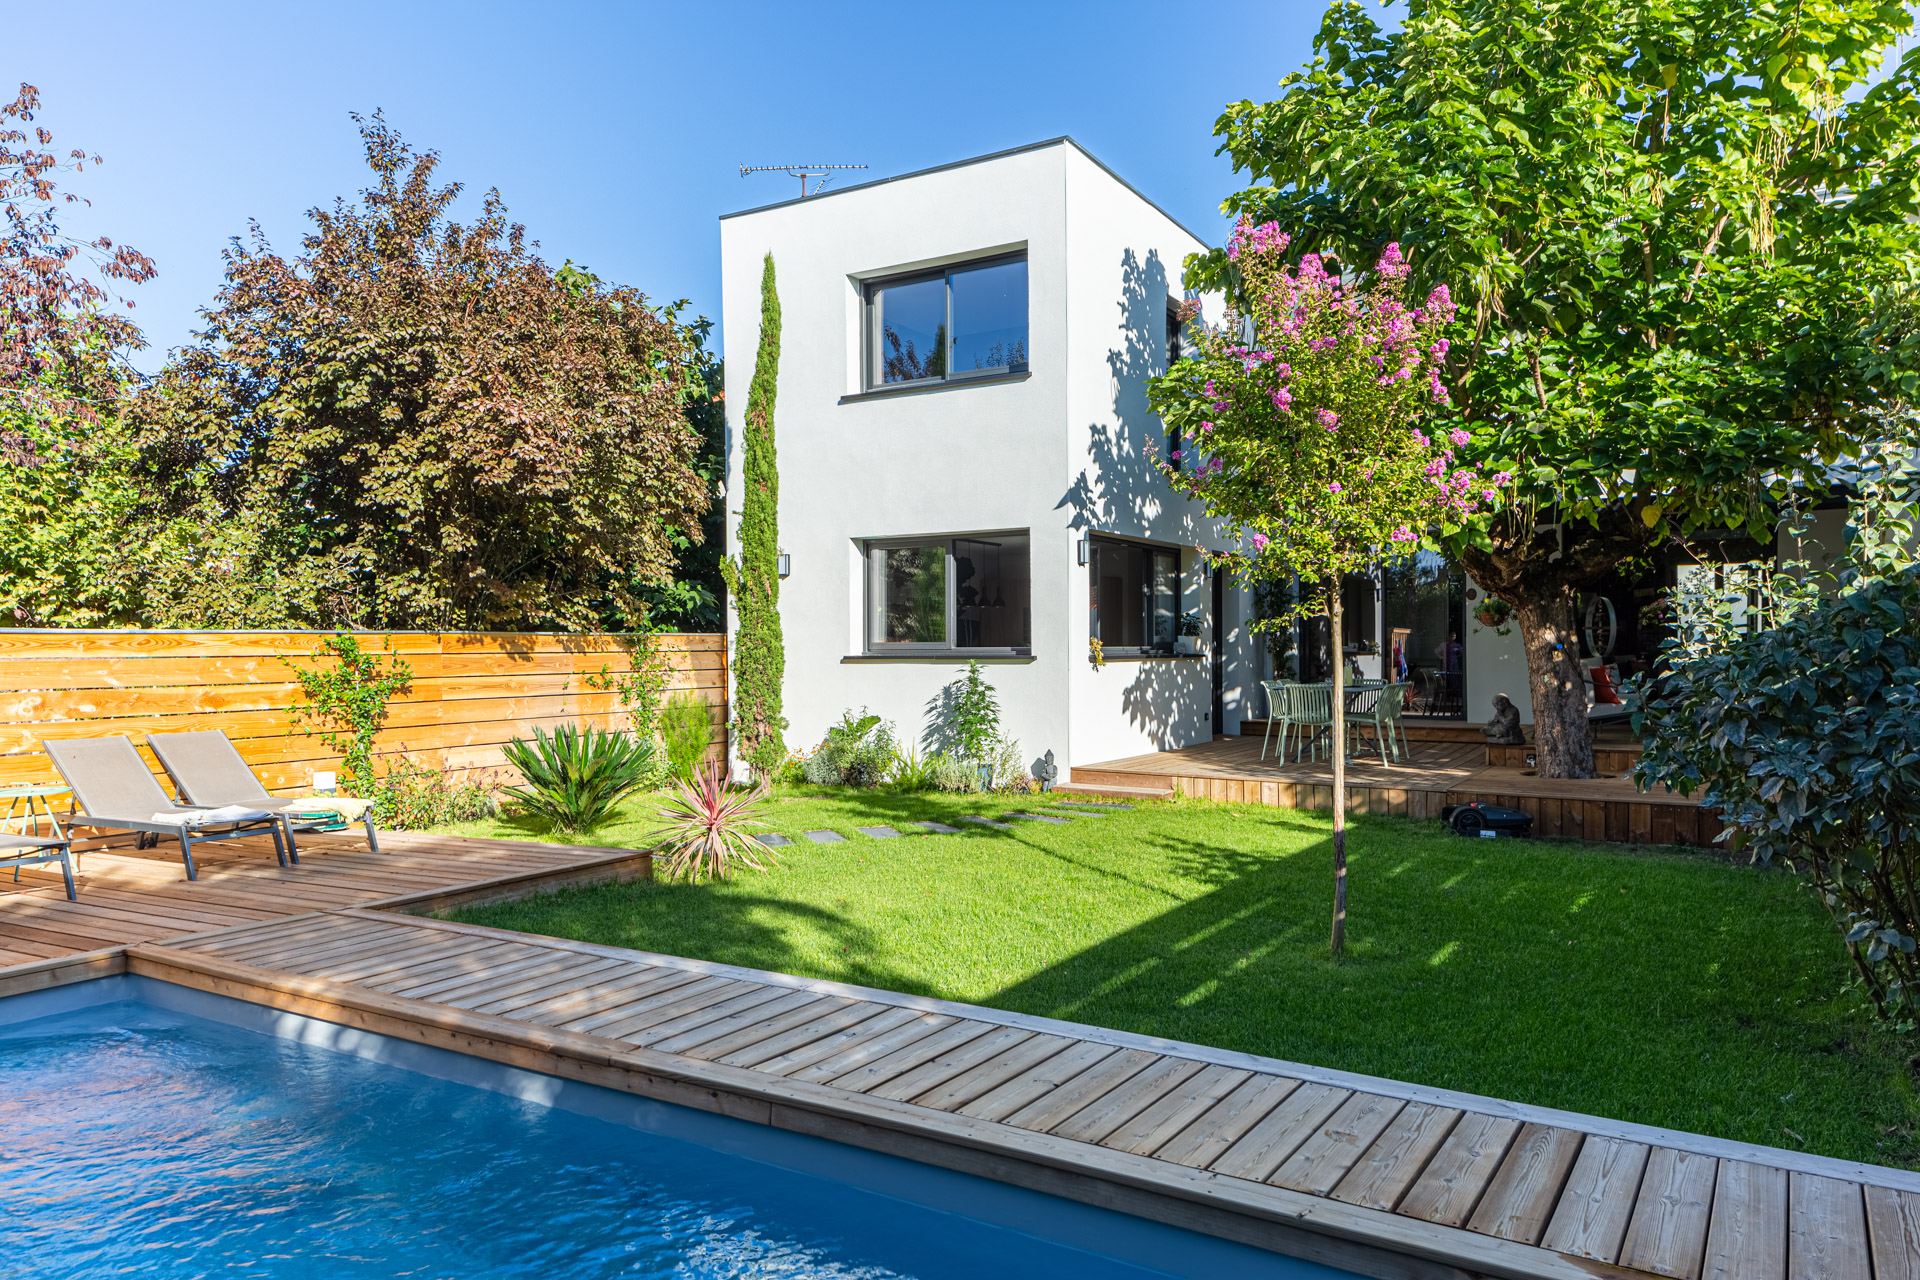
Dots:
{"x": 66, "y": 489}
{"x": 760, "y": 656}
{"x": 418, "y": 423}
{"x": 1303, "y": 414}
{"x": 1793, "y": 706}
{"x": 694, "y": 599}
{"x": 1664, "y": 226}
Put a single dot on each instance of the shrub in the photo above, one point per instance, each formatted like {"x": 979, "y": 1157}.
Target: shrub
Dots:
{"x": 574, "y": 777}
{"x": 705, "y": 835}
{"x": 951, "y": 773}
{"x": 857, "y": 752}
{"x": 410, "y": 797}
{"x": 685, "y": 729}
{"x": 1010, "y": 772}
{"x": 1805, "y": 733}
{"x": 911, "y": 771}
{"x": 964, "y": 717}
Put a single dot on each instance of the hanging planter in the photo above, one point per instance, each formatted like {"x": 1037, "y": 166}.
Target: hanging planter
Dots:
{"x": 1493, "y": 612}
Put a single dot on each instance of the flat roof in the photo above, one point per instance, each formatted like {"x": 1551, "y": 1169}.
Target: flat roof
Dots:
{"x": 1062, "y": 140}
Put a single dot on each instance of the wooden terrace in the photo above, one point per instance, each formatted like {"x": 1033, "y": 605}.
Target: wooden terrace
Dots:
{"x": 1449, "y": 765}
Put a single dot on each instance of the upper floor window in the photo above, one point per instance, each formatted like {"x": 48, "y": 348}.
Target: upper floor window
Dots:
{"x": 957, "y": 322}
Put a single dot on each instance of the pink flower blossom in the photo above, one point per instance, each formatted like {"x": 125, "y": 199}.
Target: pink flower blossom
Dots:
{"x": 1260, "y": 541}
{"x": 1460, "y": 438}
{"x": 1402, "y": 534}
{"x": 1334, "y": 487}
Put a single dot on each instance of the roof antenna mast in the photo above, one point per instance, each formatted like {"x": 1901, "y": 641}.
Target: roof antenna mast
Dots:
{"x": 824, "y": 172}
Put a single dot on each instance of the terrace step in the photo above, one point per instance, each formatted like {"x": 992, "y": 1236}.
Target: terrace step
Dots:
{"x": 1109, "y": 789}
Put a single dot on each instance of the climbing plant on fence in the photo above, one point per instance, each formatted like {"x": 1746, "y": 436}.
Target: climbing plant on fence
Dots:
{"x": 347, "y": 700}
{"x": 760, "y": 660}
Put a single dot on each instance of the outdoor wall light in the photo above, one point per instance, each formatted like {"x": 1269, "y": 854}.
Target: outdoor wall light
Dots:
{"x": 1086, "y": 548}
{"x": 784, "y": 564}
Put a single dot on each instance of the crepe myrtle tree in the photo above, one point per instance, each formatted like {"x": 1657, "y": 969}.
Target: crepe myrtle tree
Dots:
{"x": 1303, "y": 419}
{"x": 1671, "y": 231}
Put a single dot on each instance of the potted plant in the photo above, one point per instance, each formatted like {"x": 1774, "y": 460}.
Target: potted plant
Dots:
{"x": 1493, "y": 612}
{"x": 1188, "y": 641}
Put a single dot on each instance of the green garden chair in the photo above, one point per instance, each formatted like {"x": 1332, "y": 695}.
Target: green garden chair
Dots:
{"x": 1310, "y": 710}
{"x": 1277, "y": 713}
{"x": 1379, "y": 708}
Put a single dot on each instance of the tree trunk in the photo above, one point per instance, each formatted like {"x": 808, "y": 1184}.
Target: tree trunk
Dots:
{"x": 1562, "y": 734}
{"x": 1339, "y": 718}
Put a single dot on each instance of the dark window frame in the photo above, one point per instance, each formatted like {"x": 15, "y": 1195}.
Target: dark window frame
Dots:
{"x": 873, "y": 359}
{"x": 1154, "y": 551}
{"x": 871, "y": 647}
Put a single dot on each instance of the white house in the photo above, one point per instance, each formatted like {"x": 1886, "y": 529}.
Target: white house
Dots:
{"x": 967, "y": 456}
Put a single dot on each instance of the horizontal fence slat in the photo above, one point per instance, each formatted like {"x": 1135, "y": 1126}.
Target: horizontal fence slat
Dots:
{"x": 470, "y": 694}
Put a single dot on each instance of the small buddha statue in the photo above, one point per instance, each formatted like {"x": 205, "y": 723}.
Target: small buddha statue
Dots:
{"x": 1046, "y": 771}
{"x": 1504, "y": 729}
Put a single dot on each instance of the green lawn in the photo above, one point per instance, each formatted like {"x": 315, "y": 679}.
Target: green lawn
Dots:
{"x": 1663, "y": 987}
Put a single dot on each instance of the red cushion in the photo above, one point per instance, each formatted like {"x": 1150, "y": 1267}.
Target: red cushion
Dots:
{"x": 1603, "y": 690}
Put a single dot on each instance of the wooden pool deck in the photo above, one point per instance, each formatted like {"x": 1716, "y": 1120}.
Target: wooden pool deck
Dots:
{"x": 1439, "y": 773}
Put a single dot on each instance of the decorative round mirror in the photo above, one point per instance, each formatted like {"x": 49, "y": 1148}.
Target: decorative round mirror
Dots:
{"x": 1602, "y": 627}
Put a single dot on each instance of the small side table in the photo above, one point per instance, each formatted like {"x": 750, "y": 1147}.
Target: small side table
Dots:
{"x": 42, "y": 794}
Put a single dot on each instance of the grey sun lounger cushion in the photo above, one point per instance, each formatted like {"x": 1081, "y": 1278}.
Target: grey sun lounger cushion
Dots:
{"x": 115, "y": 790}
{"x": 207, "y": 768}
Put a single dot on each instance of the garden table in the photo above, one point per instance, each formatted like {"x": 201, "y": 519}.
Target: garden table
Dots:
{"x": 42, "y": 793}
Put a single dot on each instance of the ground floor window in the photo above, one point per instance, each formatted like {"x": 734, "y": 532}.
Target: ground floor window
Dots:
{"x": 1134, "y": 596}
{"x": 972, "y": 593}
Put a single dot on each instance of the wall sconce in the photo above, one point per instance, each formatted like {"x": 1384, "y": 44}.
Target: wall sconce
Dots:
{"x": 1086, "y": 548}
{"x": 784, "y": 564}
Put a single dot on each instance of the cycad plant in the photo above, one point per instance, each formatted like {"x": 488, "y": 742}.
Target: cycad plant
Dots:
{"x": 574, "y": 777}
{"x": 704, "y": 835}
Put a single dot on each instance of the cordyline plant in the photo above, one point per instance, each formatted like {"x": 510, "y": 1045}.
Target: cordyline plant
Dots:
{"x": 704, "y": 836}
{"x": 1301, "y": 423}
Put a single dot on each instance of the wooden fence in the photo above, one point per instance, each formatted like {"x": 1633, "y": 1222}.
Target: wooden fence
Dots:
{"x": 470, "y": 693}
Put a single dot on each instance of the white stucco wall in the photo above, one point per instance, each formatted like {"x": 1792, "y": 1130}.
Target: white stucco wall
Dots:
{"x": 1495, "y": 663}
{"x": 1055, "y": 453}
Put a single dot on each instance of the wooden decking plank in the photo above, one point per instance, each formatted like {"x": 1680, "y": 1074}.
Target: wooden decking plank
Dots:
{"x": 1591, "y": 1219}
{"x": 237, "y": 944}
{"x": 1226, "y": 1121}
{"x": 1158, "y": 1123}
{"x": 1826, "y": 1230}
{"x": 1114, "y": 1108}
{"x": 1110, "y": 1072}
{"x": 723, "y": 1007}
{"x": 533, "y": 976}
{"x": 949, "y": 1063}
{"x": 1036, "y": 1082}
{"x": 374, "y": 963}
{"x": 878, "y": 1071}
{"x": 747, "y": 1017}
{"x": 1266, "y": 1146}
{"x": 1527, "y": 1186}
{"x": 992, "y": 1072}
{"x": 636, "y": 983}
{"x": 1388, "y": 1168}
{"x": 813, "y": 1013}
{"x": 1319, "y": 1163}
{"x": 837, "y": 1050}
{"x": 702, "y": 991}
{"x": 1893, "y": 1227}
{"x": 1449, "y": 1189}
{"x": 459, "y": 970}
{"x": 340, "y": 940}
{"x": 534, "y": 991}
{"x": 1667, "y": 1234}
{"x": 1747, "y": 1233}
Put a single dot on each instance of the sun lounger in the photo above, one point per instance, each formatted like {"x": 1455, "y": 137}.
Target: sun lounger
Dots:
{"x": 115, "y": 791}
{"x": 207, "y": 769}
{"x": 26, "y": 851}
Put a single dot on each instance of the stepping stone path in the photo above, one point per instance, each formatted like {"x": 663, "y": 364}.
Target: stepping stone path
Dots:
{"x": 988, "y": 822}
{"x": 1089, "y": 804}
{"x": 1041, "y": 817}
{"x": 773, "y": 840}
{"x": 1079, "y": 813}
{"x": 824, "y": 837}
{"x": 939, "y": 828}
{"x": 878, "y": 833}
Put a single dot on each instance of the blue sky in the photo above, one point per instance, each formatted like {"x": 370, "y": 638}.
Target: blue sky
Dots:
{"x": 615, "y": 131}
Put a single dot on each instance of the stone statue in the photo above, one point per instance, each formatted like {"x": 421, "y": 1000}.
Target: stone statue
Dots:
{"x": 1504, "y": 729}
{"x": 1046, "y": 771}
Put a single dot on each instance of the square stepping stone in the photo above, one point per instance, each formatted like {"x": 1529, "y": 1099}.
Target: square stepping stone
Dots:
{"x": 1090, "y": 804}
{"x": 988, "y": 822}
{"x": 773, "y": 840}
{"x": 1041, "y": 817}
{"x": 878, "y": 833}
{"x": 1078, "y": 813}
{"x": 824, "y": 837}
{"x": 939, "y": 828}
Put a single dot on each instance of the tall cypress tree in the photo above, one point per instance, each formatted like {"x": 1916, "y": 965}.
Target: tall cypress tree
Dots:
{"x": 760, "y": 656}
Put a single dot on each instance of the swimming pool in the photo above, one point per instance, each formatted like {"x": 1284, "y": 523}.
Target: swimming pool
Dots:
{"x": 151, "y": 1130}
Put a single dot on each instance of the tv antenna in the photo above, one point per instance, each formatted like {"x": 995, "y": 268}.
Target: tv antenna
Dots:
{"x": 824, "y": 172}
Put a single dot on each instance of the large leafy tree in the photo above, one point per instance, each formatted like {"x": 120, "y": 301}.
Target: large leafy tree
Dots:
{"x": 66, "y": 488}
{"x": 418, "y": 423}
{"x": 1664, "y": 225}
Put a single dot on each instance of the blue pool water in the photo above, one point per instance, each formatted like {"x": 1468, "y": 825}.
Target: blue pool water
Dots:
{"x": 150, "y": 1131}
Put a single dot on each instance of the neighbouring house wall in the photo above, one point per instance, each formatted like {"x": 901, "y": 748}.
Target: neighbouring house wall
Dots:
{"x": 951, "y": 460}
{"x": 1823, "y": 542}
